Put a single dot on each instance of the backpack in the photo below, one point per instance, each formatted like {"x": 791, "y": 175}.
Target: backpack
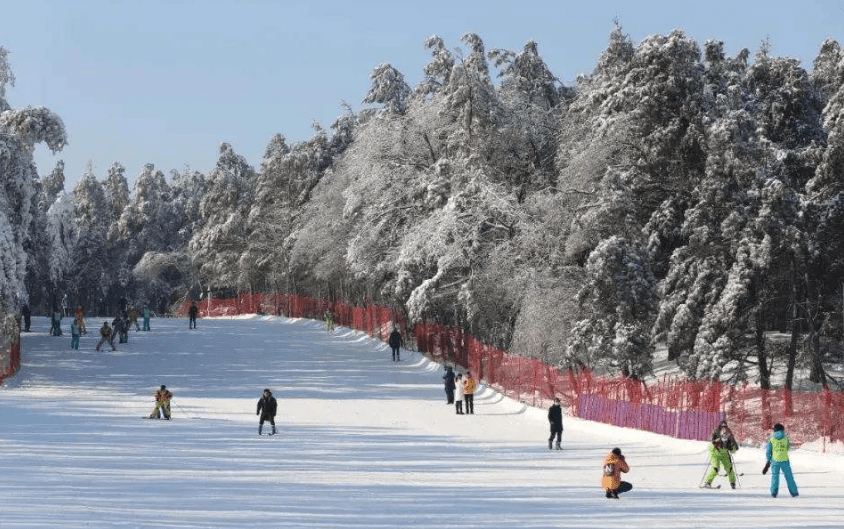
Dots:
{"x": 609, "y": 469}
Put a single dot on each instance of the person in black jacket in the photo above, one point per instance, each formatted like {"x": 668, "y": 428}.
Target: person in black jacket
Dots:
{"x": 555, "y": 418}
{"x": 27, "y": 317}
{"x": 267, "y": 407}
{"x": 395, "y": 342}
{"x": 193, "y": 311}
{"x": 448, "y": 378}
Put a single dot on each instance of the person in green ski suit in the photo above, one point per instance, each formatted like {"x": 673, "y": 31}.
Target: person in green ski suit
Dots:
{"x": 719, "y": 456}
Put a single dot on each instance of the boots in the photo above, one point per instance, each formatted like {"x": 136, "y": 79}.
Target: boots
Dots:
{"x": 558, "y": 447}
{"x": 273, "y": 430}
{"x": 549, "y": 444}
{"x": 260, "y": 427}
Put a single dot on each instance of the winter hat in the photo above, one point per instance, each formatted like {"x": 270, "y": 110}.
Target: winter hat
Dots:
{"x": 779, "y": 427}
{"x": 267, "y": 390}
{"x": 616, "y": 451}
{"x": 163, "y": 387}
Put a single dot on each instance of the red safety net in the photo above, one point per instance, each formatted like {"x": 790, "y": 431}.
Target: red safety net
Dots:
{"x": 686, "y": 409}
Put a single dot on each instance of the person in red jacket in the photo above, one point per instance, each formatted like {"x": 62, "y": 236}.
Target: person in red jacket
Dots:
{"x": 162, "y": 403}
{"x": 614, "y": 465}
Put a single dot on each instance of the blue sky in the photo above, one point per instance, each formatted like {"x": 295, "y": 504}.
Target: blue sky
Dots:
{"x": 166, "y": 82}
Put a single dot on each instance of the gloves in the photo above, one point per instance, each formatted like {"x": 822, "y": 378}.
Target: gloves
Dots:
{"x": 767, "y": 466}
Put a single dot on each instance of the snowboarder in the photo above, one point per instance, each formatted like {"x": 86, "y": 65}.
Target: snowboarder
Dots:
{"x": 469, "y": 386}
{"x": 777, "y": 453}
{"x": 162, "y": 403}
{"x": 74, "y": 334}
{"x": 146, "y": 319}
{"x": 719, "y": 456}
{"x": 614, "y": 465}
{"x": 396, "y": 342}
{"x": 267, "y": 407}
{"x": 448, "y": 378}
{"x": 458, "y": 394}
{"x": 192, "y": 313}
{"x": 555, "y": 419}
{"x": 106, "y": 335}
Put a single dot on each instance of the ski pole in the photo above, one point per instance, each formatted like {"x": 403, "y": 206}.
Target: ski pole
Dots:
{"x": 182, "y": 411}
{"x": 735, "y": 471}
{"x": 705, "y": 470}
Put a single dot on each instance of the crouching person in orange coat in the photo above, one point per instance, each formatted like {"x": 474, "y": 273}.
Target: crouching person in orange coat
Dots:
{"x": 614, "y": 465}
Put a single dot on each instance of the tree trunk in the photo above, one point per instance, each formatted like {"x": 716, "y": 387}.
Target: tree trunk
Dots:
{"x": 764, "y": 373}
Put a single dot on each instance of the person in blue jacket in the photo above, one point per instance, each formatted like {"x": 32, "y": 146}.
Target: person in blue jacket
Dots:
{"x": 777, "y": 453}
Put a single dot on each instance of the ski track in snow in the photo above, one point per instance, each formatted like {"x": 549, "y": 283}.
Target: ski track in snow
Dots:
{"x": 363, "y": 442}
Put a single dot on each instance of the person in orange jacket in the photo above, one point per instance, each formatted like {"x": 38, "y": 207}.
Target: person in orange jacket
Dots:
{"x": 614, "y": 465}
{"x": 469, "y": 386}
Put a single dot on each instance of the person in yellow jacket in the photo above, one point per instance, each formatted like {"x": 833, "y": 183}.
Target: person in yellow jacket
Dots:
{"x": 162, "y": 403}
{"x": 614, "y": 465}
{"x": 777, "y": 452}
{"x": 469, "y": 386}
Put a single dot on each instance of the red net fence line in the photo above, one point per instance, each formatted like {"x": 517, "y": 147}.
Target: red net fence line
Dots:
{"x": 10, "y": 349}
{"x": 681, "y": 408}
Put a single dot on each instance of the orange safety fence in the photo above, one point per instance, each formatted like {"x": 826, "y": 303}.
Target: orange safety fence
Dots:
{"x": 682, "y": 408}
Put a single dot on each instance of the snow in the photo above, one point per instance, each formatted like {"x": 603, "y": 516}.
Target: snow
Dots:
{"x": 364, "y": 443}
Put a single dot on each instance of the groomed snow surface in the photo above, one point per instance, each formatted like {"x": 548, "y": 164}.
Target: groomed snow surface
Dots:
{"x": 363, "y": 442}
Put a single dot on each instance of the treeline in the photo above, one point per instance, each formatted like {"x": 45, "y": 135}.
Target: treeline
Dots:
{"x": 673, "y": 196}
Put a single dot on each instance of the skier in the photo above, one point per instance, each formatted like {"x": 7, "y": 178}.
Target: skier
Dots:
{"x": 555, "y": 419}
{"x": 719, "y": 456}
{"x": 469, "y": 386}
{"x": 267, "y": 407}
{"x": 396, "y": 342}
{"x": 777, "y": 453}
{"x": 106, "y": 335}
{"x": 146, "y": 319}
{"x": 614, "y": 465}
{"x": 57, "y": 323}
{"x": 162, "y": 403}
{"x": 329, "y": 321}
{"x": 723, "y": 432}
{"x": 117, "y": 330}
{"x": 27, "y": 317}
{"x": 192, "y": 313}
{"x": 80, "y": 317}
{"x": 458, "y": 394}
{"x": 133, "y": 318}
{"x": 74, "y": 334}
{"x": 449, "y": 384}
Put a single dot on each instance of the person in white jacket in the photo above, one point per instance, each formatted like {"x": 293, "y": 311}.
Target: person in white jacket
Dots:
{"x": 458, "y": 394}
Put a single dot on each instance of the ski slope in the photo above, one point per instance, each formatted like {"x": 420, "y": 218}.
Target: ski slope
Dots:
{"x": 363, "y": 442}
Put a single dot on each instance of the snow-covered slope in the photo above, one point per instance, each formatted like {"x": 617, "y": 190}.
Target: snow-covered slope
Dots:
{"x": 364, "y": 442}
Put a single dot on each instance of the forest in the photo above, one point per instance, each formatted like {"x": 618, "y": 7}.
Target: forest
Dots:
{"x": 674, "y": 198}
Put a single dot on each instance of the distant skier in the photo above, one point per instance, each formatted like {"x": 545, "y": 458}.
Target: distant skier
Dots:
{"x": 614, "y": 465}
{"x": 80, "y": 316}
{"x": 469, "y": 386}
{"x": 329, "y": 320}
{"x": 74, "y": 334}
{"x": 267, "y": 407}
{"x": 162, "y": 403}
{"x": 777, "y": 453}
{"x": 146, "y": 319}
{"x": 56, "y": 330}
{"x": 27, "y": 317}
{"x": 396, "y": 342}
{"x": 448, "y": 380}
{"x": 458, "y": 394}
{"x": 719, "y": 456}
{"x": 555, "y": 420}
{"x": 106, "y": 335}
{"x": 192, "y": 313}
{"x": 133, "y": 318}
